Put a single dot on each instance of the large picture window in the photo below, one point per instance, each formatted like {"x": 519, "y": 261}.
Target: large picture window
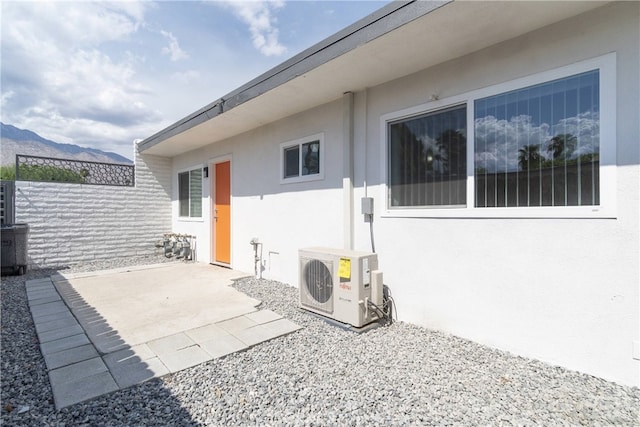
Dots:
{"x": 190, "y": 193}
{"x": 539, "y": 146}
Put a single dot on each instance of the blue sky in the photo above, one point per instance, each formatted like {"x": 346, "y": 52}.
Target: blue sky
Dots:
{"x": 101, "y": 74}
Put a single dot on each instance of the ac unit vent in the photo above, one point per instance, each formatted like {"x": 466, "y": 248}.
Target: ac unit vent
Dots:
{"x": 318, "y": 280}
{"x": 318, "y": 284}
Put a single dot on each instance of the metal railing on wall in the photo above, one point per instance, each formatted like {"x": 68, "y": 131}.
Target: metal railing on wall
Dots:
{"x": 48, "y": 169}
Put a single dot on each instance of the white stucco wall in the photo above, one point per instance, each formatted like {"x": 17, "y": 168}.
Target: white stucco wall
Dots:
{"x": 71, "y": 223}
{"x": 565, "y": 291}
{"x": 284, "y": 217}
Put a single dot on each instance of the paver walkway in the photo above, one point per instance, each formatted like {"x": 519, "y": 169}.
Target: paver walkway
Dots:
{"x": 78, "y": 371}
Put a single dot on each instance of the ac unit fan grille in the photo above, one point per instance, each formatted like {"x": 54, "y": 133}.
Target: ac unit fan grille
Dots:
{"x": 318, "y": 284}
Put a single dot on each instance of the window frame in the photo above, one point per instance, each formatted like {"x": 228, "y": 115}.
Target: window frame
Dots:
{"x": 299, "y": 143}
{"x": 449, "y": 107}
{"x": 605, "y": 64}
{"x": 189, "y": 171}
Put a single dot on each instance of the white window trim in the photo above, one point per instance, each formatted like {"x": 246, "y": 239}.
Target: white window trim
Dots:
{"x": 187, "y": 218}
{"x": 302, "y": 178}
{"x": 606, "y": 65}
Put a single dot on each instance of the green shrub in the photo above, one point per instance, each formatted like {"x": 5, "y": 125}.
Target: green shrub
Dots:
{"x": 8, "y": 173}
{"x": 42, "y": 173}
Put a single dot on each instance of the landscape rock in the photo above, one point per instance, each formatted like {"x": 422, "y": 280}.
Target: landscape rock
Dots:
{"x": 400, "y": 374}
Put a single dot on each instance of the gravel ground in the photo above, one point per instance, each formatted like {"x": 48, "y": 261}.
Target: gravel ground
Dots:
{"x": 320, "y": 375}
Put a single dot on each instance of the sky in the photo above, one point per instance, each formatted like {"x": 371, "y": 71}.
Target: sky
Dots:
{"x": 102, "y": 74}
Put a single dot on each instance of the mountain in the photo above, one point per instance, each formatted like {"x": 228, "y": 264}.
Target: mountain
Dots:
{"x": 21, "y": 141}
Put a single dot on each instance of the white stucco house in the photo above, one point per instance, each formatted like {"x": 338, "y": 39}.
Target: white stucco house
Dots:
{"x": 499, "y": 143}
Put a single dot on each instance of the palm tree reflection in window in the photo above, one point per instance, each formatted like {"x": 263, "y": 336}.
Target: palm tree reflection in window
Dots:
{"x": 561, "y": 149}
{"x": 529, "y": 157}
{"x": 562, "y": 146}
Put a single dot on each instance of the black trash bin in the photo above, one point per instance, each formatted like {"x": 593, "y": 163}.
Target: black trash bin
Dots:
{"x": 14, "y": 248}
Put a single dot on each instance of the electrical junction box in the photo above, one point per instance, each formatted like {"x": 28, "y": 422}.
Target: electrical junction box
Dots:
{"x": 367, "y": 205}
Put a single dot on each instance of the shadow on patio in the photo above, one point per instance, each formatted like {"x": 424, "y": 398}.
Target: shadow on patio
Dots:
{"x": 114, "y": 329}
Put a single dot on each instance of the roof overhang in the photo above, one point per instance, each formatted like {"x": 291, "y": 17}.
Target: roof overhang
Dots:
{"x": 410, "y": 35}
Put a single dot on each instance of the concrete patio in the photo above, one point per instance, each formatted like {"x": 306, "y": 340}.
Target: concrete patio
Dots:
{"x": 104, "y": 331}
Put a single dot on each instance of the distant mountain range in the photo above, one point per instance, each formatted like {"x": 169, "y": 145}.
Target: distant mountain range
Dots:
{"x": 21, "y": 141}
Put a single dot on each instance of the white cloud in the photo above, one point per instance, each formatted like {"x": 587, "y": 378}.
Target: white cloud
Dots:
{"x": 94, "y": 73}
{"x": 4, "y": 99}
{"x": 262, "y": 24}
{"x": 73, "y": 23}
{"x": 186, "y": 77}
{"x": 173, "y": 50}
{"x": 135, "y": 9}
{"x": 497, "y": 141}
{"x": 59, "y": 81}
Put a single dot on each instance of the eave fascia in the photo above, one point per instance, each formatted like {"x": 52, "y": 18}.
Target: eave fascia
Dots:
{"x": 375, "y": 25}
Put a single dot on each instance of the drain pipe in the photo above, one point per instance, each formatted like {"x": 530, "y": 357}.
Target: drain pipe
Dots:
{"x": 347, "y": 173}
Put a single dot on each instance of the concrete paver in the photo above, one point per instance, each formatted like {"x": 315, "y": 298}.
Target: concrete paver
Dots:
{"x": 263, "y": 316}
{"x": 125, "y": 356}
{"x": 282, "y": 327}
{"x": 56, "y": 316}
{"x": 45, "y": 300}
{"x": 129, "y": 374}
{"x": 65, "y": 343}
{"x": 184, "y": 358}
{"x": 42, "y": 293}
{"x": 68, "y": 393}
{"x": 170, "y": 344}
{"x": 79, "y": 370}
{"x": 40, "y": 310}
{"x": 70, "y": 356}
{"x": 43, "y": 326}
{"x": 100, "y": 332}
{"x": 35, "y": 282}
{"x": 223, "y": 346}
{"x": 134, "y": 365}
{"x": 56, "y": 334}
{"x": 206, "y": 333}
{"x": 255, "y": 335}
{"x": 237, "y": 324}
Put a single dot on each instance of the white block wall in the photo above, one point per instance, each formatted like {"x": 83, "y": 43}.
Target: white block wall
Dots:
{"x": 71, "y": 223}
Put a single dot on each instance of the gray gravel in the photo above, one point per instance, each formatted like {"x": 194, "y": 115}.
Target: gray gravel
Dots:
{"x": 320, "y": 375}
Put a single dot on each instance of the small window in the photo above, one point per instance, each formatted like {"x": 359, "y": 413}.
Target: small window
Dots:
{"x": 190, "y": 193}
{"x": 302, "y": 159}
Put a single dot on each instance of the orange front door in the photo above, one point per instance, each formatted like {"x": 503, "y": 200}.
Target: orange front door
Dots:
{"x": 221, "y": 227}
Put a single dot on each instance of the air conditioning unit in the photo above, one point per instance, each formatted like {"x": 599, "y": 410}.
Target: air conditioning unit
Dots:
{"x": 340, "y": 284}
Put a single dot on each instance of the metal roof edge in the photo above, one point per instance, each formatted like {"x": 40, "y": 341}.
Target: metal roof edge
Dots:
{"x": 372, "y": 26}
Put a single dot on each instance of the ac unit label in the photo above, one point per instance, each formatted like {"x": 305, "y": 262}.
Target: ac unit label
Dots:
{"x": 344, "y": 270}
